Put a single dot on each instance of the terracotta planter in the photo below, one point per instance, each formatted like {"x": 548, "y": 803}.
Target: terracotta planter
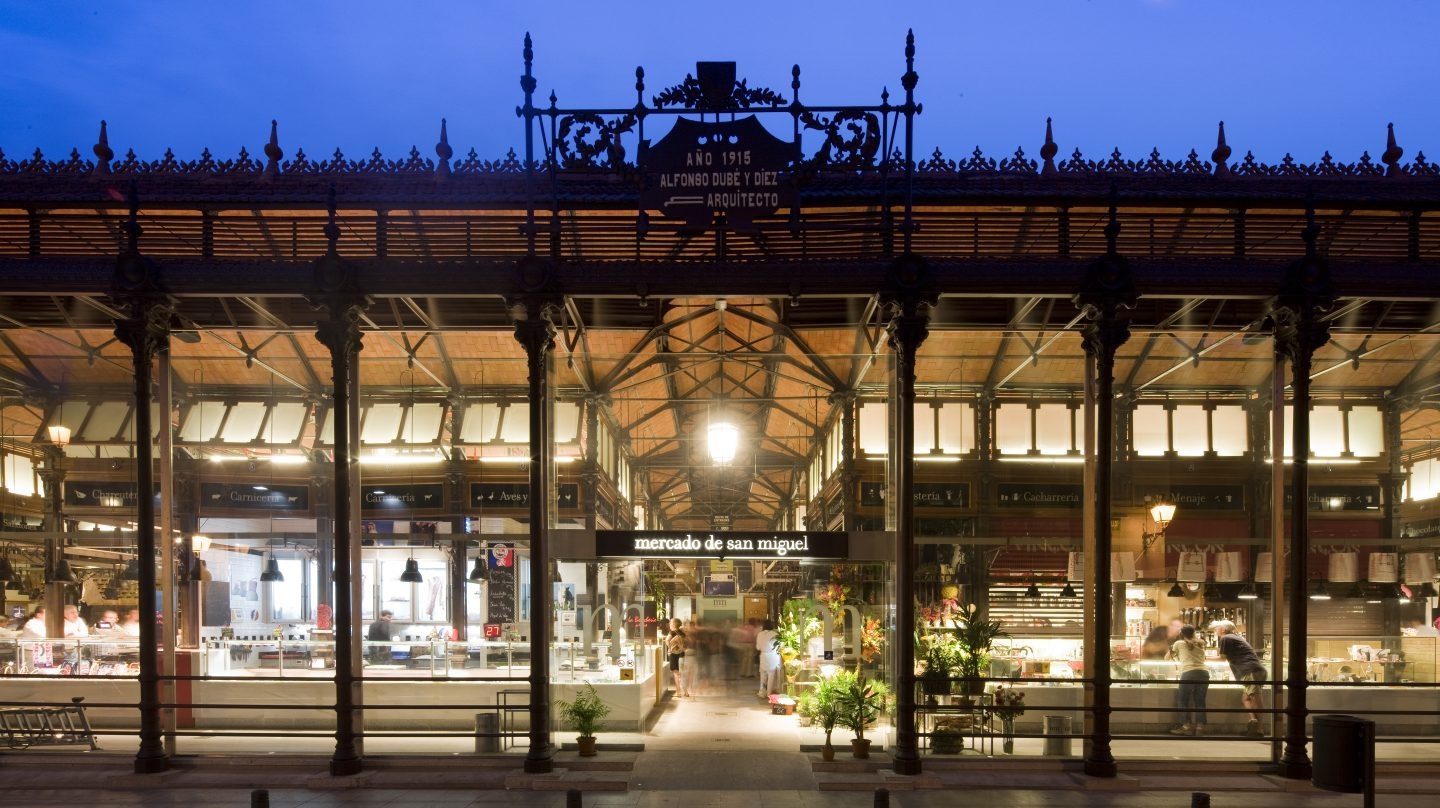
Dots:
{"x": 860, "y": 747}
{"x": 587, "y": 746}
{"x": 827, "y": 752}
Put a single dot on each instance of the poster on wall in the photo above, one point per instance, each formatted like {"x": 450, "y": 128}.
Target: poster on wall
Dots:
{"x": 500, "y": 591}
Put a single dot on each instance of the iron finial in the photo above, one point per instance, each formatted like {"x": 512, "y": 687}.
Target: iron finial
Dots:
{"x": 272, "y": 151}
{"x": 1049, "y": 150}
{"x": 103, "y": 153}
{"x": 1221, "y": 155}
{"x": 639, "y": 86}
{"x": 1391, "y": 157}
{"x": 911, "y": 78}
{"x": 527, "y": 81}
{"x": 444, "y": 152}
{"x": 795, "y": 84}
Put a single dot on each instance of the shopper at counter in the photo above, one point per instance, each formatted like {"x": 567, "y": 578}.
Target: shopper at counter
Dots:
{"x": 34, "y": 628}
{"x": 1245, "y": 667}
{"x": 1194, "y": 683}
{"x": 130, "y": 626}
{"x": 74, "y": 623}
{"x": 381, "y": 631}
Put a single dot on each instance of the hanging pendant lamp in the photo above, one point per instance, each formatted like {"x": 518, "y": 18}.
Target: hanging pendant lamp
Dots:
{"x": 481, "y": 570}
{"x": 412, "y": 575}
{"x": 1068, "y": 591}
{"x": 1175, "y": 591}
{"x": 62, "y": 574}
{"x": 1033, "y": 591}
{"x": 272, "y": 574}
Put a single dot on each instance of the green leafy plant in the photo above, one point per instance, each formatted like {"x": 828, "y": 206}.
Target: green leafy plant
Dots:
{"x": 975, "y": 636}
{"x": 828, "y": 692}
{"x": 861, "y": 702}
{"x": 585, "y": 712}
{"x": 798, "y": 625}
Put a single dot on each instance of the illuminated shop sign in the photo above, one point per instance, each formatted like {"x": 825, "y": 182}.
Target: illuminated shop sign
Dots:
{"x": 1040, "y": 495}
{"x": 726, "y": 544}
{"x": 102, "y": 494}
{"x": 255, "y": 496}
{"x": 1195, "y": 497}
{"x": 926, "y": 495}
{"x": 384, "y": 497}
{"x": 1340, "y": 497}
{"x": 487, "y": 496}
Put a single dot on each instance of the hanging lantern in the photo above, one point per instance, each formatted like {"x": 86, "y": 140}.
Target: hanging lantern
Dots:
{"x": 1419, "y": 568}
{"x": 62, "y": 574}
{"x": 1382, "y": 568}
{"x": 1229, "y": 569}
{"x": 1191, "y": 567}
{"x": 412, "y": 575}
{"x": 1122, "y": 567}
{"x": 480, "y": 571}
{"x": 1344, "y": 568}
{"x": 1265, "y": 568}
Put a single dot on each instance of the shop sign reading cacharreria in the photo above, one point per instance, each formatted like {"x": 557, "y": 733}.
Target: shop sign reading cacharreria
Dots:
{"x": 726, "y": 544}
{"x": 1040, "y": 495}
{"x": 254, "y": 497}
{"x": 421, "y": 496}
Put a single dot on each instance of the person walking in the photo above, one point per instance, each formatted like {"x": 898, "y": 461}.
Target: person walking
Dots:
{"x": 695, "y": 655}
{"x": 769, "y": 659}
{"x": 1246, "y": 668}
{"x": 1194, "y": 683}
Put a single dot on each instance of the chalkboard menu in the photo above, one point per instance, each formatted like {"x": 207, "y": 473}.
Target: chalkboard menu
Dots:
{"x": 500, "y": 590}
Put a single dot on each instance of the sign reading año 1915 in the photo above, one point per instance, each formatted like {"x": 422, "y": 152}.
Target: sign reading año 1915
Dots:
{"x": 702, "y": 169}
{"x": 724, "y": 544}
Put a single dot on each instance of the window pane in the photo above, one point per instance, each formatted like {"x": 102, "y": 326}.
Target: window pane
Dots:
{"x": 244, "y": 422}
{"x": 431, "y": 606}
{"x": 567, "y": 421}
{"x": 957, "y": 428}
{"x": 517, "y": 423}
{"x": 202, "y": 421}
{"x": 1367, "y": 432}
{"x": 287, "y": 597}
{"x": 1191, "y": 430}
{"x": 367, "y": 589}
{"x": 1150, "y": 430}
{"x": 874, "y": 432}
{"x": 1327, "y": 432}
{"x": 423, "y": 425}
{"x": 924, "y": 427}
{"x": 382, "y": 422}
{"x": 395, "y": 594}
{"x": 1230, "y": 431}
{"x": 1053, "y": 432}
{"x": 1012, "y": 428}
{"x": 286, "y": 421}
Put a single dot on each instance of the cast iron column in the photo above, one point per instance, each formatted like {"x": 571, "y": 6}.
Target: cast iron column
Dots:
{"x": 909, "y": 325}
{"x": 1305, "y": 294}
{"x": 1106, "y": 292}
{"x": 337, "y": 292}
{"x": 535, "y": 331}
{"x": 145, "y": 330}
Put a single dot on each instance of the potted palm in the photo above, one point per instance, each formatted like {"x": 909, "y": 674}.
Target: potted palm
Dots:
{"x": 826, "y": 706}
{"x": 975, "y": 637}
{"x": 861, "y": 702}
{"x": 584, "y": 715}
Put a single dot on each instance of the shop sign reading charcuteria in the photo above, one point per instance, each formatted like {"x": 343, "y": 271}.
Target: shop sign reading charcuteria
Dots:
{"x": 726, "y": 544}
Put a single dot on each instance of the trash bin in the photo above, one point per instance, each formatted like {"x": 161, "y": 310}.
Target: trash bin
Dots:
{"x": 1344, "y": 758}
{"x": 1057, "y": 736}
{"x": 487, "y": 733}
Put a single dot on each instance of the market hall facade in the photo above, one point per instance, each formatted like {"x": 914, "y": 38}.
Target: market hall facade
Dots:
{"x": 404, "y": 453}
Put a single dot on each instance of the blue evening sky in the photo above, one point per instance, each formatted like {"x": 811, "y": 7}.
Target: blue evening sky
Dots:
{"x": 1285, "y": 75}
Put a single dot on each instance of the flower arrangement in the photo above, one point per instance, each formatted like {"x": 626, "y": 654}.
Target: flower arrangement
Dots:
{"x": 1009, "y": 703}
{"x": 834, "y": 595}
{"x": 872, "y": 639}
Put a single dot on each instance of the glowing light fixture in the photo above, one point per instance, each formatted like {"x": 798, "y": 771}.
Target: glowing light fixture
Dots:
{"x": 723, "y": 440}
{"x": 59, "y": 435}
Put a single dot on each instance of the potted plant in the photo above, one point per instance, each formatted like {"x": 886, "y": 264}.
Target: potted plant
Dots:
{"x": 946, "y": 740}
{"x": 827, "y": 697}
{"x": 798, "y": 625}
{"x": 584, "y": 715}
{"x": 975, "y": 637}
{"x": 861, "y": 703}
{"x": 1009, "y": 704}
{"x": 941, "y": 655}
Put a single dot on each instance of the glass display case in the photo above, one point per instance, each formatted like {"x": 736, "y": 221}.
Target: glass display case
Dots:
{"x": 77, "y": 656}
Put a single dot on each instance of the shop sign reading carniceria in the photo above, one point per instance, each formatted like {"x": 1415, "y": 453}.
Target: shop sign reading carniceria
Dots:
{"x": 725, "y": 544}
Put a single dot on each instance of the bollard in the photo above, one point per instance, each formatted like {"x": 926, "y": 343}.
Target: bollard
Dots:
{"x": 259, "y": 798}
{"x": 882, "y": 798}
{"x": 572, "y": 798}
{"x": 1199, "y": 799}
{"x": 487, "y": 733}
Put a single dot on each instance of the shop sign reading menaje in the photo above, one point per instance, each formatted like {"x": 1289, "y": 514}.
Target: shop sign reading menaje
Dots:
{"x": 726, "y": 544}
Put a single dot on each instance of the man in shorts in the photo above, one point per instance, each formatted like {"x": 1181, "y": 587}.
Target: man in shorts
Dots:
{"x": 1246, "y": 668}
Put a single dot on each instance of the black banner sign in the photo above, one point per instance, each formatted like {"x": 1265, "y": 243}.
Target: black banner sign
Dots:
{"x": 488, "y": 496}
{"x": 1429, "y": 528}
{"x": 255, "y": 497}
{"x": 702, "y": 169}
{"x": 102, "y": 493}
{"x": 927, "y": 495}
{"x": 383, "y": 497}
{"x": 1340, "y": 497}
{"x": 1040, "y": 495}
{"x": 726, "y": 544}
{"x": 1195, "y": 497}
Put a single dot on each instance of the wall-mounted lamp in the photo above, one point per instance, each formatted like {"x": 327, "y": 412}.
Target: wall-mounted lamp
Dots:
{"x": 1162, "y": 513}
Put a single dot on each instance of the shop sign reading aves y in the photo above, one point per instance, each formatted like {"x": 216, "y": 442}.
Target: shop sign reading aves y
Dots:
{"x": 747, "y": 544}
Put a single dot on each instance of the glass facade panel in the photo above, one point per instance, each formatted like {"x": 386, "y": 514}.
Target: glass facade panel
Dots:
{"x": 1013, "y": 428}
{"x": 1055, "y": 429}
{"x": 1228, "y": 430}
{"x": 1151, "y": 430}
{"x": 1367, "y": 431}
{"x": 1191, "y": 424}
